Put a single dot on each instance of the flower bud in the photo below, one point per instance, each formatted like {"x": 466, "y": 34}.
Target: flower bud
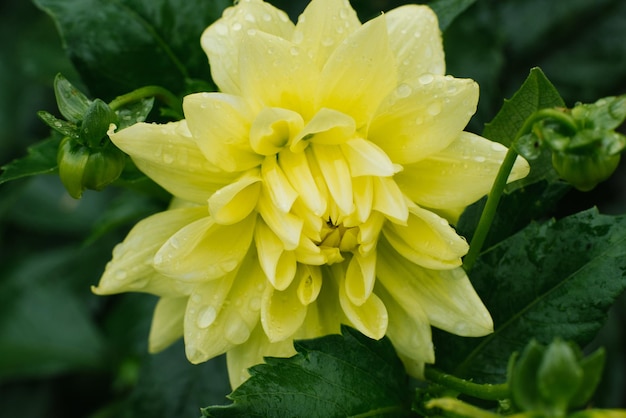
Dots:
{"x": 81, "y": 167}
{"x": 95, "y": 123}
{"x": 584, "y": 171}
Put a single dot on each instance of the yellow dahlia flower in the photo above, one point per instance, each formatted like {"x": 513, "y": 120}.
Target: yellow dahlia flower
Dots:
{"x": 315, "y": 189}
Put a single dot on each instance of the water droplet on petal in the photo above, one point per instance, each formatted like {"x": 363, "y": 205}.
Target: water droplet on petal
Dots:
{"x": 255, "y": 304}
{"x": 168, "y": 158}
{"x": 403, "y": 90}
{"x": 236, "y": 26}
{"x": 480, "y": 159}
{"x": 250, "y": 17}
{"x": 295, "y": 51}
{"x": 426, "y": 79}
{"x": 206, "y": 317}
{"x": 237, "y": 332}
{"x": 267, "y": 17}
{"x": 328, "y": 41}
{"x": 434, "y": 109}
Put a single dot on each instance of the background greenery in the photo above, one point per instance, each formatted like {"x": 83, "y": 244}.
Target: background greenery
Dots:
{"x": 67, "y": 353}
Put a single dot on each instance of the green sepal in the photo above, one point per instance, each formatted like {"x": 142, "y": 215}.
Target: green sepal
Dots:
{"x": 63, "y": 127}
{"x": 72, "y": 102}
{"x": 592, "y": 366}
{"x": 523, "y": 379}
{"x": 559, "y": 376}
{"x": 96, "y": 122}
{"x": 72, "y": 159}
{"x": 134, "y": 112}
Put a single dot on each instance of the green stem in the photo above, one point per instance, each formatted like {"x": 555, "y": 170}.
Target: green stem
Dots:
{"x": 487, "y": 391}
{"x": 493, "y": 199}
{"x": 158, "y": 92}
{"x": 459, "y": 408}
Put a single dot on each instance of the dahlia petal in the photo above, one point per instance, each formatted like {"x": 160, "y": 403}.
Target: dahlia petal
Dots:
{"x": 276, "y": 184}
{"x": 389, "y": 200}
{"x": 427, "y": 240}
{"x": 282, "y": 313}
{"x": 167, "y": 322}
{"x": 273, "y": 128}
{"x": 423, "y": 116}
{"x": 359, "y": 73}
{"x": 363, "y": 188}
{"x": 222, "y": 40}
{"x": 278, "y": 265}
{"x": 458, "y": 175}
{"x": 310, "y": 283}
{"x": 233, "y": 203}
{"x": 322, "y": 26}
{"x": 360, "y": 277}
{"x": 221, "y": 314}
{"x": 298, "y": 172}
{"x": 415, "y": 39}
{"x": 286, "y": 226}
{"x": 131, "y": 267}
{"x": 410, "y": 333}
{"x": 205, "y": 250}
{"x": 273, "y": 72}
{"x": 328, "y": 127}
{"x": 167, "y": 154}
{"x": 220, "y": 125}
{"x": 370, "y": 318}
{"x": 336, "y": 174}
{"x": 241, "y": 357}
{"x": 367, "y": 159}
{"x": 446, "y": 296}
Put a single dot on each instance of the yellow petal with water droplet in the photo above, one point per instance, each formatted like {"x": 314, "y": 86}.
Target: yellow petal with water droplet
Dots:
{"x": 232, "y": 203}
{"x": 131, "y": 267}
{"x": 167, "y": 154}
{"x": 310, "y": 283}
{"x": 322, "y": 26}
{"x": 427, "y": 240}
{"x": 282, "y": 313}
{"x": 446, "y": 296}
{"x": 220, "y": 126}
{"x": 410, "y": 126}
{"x": 205, "y": 250}
{"x": 167, "y": 322}
{"x": 222, "y": 40}
{"x": 458, "y": 175}
{"x": 415, "y": 39}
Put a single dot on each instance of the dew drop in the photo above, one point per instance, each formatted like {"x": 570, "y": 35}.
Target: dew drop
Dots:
{"x": 294, "y": 51}
{"x": 403, "y": 90}
{"x": 236, "y": 26}
{"x": 267, "y": 17}
{"x": 343, "y": 13}
{"x": 249, "y": 17}
{"x": 417, "y": 34}
{"x": 328, "y": 41}
{"x": 206, "y": 317}
{"x": 434, "y": 109}
{"x": 121, "y": 275}
{"x": 426, "y": 78}
{"x": 168, "y": 158}
{"x": 195, "y": 298}
{"x": 419, "y": 120}
{"x": 480, "y": 159}
{"x": 255, "y": 304}
{"x": 496, "y": 147}
{"x": 221, "y": 29}
{"x": 57, "y": 124}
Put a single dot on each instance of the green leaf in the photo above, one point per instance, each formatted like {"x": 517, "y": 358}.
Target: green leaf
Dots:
{"x": 556, "y": 279}
{"x": 448, "y": 10}
{"x": 128, "y": 44}
{"x": 320, "y": 381}
{"x": 41, "y": 159}
{"x": 536, "y": 93}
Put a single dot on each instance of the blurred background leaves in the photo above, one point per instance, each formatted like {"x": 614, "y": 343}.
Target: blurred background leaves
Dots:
{"x": 67, "y": 353}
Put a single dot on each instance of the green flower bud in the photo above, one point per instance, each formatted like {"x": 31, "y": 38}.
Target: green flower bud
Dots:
{"x": 83, "y": 168}
{"x": 95, "y": 124}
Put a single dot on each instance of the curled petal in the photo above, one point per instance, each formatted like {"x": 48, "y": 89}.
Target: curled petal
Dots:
{"x": 167, "y": 322}
{"x": 310, "y": 283}
{"x": 205, "y": 250}
{"x": 233, "y": 203}
{"x": 336, "y": 174}
{"x": 286, "y": 226}
{"x": 220, "y": 125}
{"x": 277, "y": 185}
{"x": 446, "y": 296}
{"x": 131, "y": 267}
{"x": 363, "y": 188}
{"x": 279, "y": 265}
{"x": 427, "y": 240}
{"x": 415, "y": 39}
{"x": 273, "y": 128}
{"x": 296, "y": 167}
{"x": 389, "y": 200}
{"x": 282, "y": 313}
{"x": 168, "y": 155}
{"x": 458, "y": 175}
{"x": 222, "y": 40}
{"x": 370, "y": 318}
{"x": 360, "y": 277}
{"x": 328, "y": 126}
{"x": 367, "y": 159}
